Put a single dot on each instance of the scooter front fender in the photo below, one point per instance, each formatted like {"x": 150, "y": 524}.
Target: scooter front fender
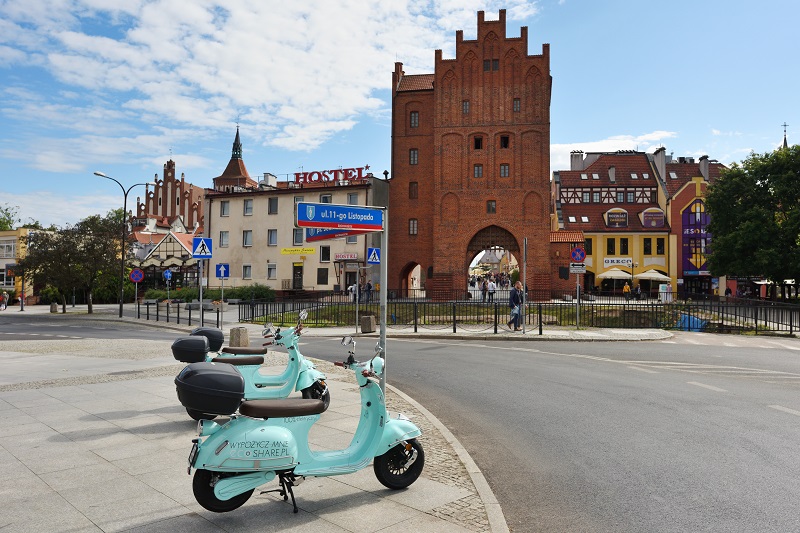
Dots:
{"x": 307, "y": 378}
{"x": 228, "y": 487}
{"x": 396, "y": 430}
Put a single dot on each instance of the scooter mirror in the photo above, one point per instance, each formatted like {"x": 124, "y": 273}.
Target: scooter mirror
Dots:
{"x": 267, "y": 331}
{"x": 347, "y": 340}
{"x": 303, "y": 314}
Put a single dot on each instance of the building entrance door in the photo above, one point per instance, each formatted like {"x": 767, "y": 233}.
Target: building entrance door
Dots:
{"x": 297, "y": 276}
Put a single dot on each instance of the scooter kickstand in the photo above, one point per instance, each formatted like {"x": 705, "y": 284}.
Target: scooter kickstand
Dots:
{"x": 286, "y": 480}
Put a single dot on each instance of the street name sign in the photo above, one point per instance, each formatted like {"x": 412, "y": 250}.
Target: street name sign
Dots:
{"x": 341, "y": 217}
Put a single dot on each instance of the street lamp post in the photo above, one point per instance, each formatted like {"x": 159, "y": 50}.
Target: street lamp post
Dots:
{"x": 124, "y": 233}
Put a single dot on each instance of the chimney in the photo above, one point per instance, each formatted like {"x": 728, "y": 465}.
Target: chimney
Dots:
{"x": 576, "y": 160}
{"x": 704, "y": 167}
{"x": 660, "y": 159}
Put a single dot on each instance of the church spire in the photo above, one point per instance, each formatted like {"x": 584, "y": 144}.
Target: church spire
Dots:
{"x": 785, "y": 143}
{"x": 236, "y": 153}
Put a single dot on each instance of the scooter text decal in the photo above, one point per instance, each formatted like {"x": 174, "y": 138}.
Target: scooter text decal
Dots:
{"x": 258, "y": 449}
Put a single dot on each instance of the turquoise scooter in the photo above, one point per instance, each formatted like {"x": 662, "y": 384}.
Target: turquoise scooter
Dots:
{"x": 299, "y": 375}
{"x": 269, "y": 439}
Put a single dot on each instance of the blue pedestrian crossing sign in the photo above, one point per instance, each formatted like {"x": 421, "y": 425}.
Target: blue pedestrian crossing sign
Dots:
{"x": 223, "y": 270}
{"x": 374, "y": 256}
{"x": 201, "y": 248}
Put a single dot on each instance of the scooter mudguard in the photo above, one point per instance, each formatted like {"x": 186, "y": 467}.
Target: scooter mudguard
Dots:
{"x": 228, "y": 487}
{"x": 249, "y": 445}
{"x": 395, "y": 431}
{"x": 307, "y": 378}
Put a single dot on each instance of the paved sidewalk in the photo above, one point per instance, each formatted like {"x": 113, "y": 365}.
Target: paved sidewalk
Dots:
{"x": 96, "y": 440}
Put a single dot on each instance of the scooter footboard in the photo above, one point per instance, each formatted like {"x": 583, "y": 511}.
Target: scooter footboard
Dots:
{"x": 395, "y": 431}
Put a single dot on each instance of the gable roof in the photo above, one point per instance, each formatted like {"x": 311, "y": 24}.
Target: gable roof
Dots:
{"x": 416, "y": 82}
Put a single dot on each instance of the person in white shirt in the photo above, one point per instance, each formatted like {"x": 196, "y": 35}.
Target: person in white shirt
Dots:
{"x": 492, "y": 288}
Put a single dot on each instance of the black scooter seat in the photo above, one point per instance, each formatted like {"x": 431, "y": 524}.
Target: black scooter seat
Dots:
{"x": 240, "y": 361}
{"x": 281, "y": 408}
{"x": 246, "y": 350}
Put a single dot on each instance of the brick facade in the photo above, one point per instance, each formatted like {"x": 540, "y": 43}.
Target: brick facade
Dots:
{"x": 476, "y": 131}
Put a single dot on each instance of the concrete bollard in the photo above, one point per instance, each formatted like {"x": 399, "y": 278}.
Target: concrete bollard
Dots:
{"x": 54, "y": 307}
{"x": 239, "y": 338}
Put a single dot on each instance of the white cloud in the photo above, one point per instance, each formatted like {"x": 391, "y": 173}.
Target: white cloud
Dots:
{"x": 306, "y": 69}
{"x": 646, "y": 142}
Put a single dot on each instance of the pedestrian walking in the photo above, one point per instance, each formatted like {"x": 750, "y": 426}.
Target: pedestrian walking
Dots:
{"x": 492, "y": 287}
{"x": 515, "y": 303}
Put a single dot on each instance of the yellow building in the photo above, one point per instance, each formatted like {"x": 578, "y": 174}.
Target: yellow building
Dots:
{"x": 12, "y": 249}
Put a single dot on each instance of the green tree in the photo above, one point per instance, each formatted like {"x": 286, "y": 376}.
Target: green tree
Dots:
{"x": 9, "y": 217}
{"x": 84, "y": 256}
{"x": 755, "y": 217}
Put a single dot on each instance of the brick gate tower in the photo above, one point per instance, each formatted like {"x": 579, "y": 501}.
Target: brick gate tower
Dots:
{"x": 471, "y": 161}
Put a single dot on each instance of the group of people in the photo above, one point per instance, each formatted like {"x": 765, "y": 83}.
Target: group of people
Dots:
{"x": 361, "y": 293}
{"x": 490, "y": 284}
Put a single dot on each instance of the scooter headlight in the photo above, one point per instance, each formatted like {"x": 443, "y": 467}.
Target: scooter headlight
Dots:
{"x": 207, "y": 427}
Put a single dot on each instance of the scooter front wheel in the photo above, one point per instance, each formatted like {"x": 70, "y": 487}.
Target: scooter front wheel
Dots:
{"x": 401, "y": 466}
{"x": 199, "y": 415}
{"x": 315, "y": 392}
{"x": 203, "y": 487}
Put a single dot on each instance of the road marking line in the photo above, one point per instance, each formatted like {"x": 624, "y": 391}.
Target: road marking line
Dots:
{"x": 786, "y": 346}
{"x": 709, "y": 387}
{"x": 669, "y": 342}
{"x": 730, "y": 345}
{"x": 785, "y": 409}
{"x": 640, "y": 369}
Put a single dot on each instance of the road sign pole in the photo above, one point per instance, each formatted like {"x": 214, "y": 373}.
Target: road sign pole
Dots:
{"x": 200, "y": 283}
{"x": 222, "y": 304}
{"x": 384, "y": 289}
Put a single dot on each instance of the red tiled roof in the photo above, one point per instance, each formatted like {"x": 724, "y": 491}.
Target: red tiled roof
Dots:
{"x": 416, "y": 82}
{"x": 566, "y": 236}
{"x": 685, "y": 172}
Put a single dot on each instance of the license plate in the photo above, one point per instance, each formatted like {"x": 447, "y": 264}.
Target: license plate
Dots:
{"x": 193, "y": 456}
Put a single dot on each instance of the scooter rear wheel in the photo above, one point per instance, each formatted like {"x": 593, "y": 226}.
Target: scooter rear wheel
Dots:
{"x": 199, "y": 415}
{"x": 203, "y": 488}
{"x": 314, "y": 392}
{"x": 395, "y": 469}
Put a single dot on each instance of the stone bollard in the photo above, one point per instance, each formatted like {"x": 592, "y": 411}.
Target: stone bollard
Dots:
{"x": 239, "y": 337}
{"x": 54, "y": 307}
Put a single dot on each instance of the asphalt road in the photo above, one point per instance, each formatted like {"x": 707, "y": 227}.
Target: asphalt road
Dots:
{"x": 20, "y": 327}
{"x": 698, "y": 433}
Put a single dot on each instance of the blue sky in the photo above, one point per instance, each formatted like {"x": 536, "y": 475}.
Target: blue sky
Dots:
{"x": 89, "y": 86}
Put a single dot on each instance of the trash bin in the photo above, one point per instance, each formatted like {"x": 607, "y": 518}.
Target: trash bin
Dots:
{"x": 367, "y": 324}
{"x": 54, "y": 307}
